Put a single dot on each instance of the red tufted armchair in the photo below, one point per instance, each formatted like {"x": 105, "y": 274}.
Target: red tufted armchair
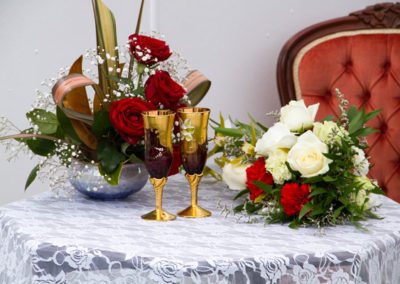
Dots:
{"x": 360, "y": 55}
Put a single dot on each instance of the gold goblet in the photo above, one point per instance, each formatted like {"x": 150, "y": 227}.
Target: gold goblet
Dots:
{"x": 158, "y": 125}
{"x": 194, "y": 125}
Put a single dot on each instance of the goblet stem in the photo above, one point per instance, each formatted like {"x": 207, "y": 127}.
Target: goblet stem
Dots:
{"x": 158, "y": 185}
{"x": 194, "y": 181}
{"x": 194, "y": 211}
{"x": 159, "y": 214}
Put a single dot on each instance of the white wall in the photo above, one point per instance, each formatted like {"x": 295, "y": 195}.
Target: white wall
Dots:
{"x": 234, "y": 42}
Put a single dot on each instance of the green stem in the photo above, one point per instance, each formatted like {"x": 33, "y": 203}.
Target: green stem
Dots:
{"x": 24, "y": 136}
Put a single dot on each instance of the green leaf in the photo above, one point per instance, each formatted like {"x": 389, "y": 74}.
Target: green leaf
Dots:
{"x": 101, "y": 124}
{"x": 329, "y": 179}
{"x": 45, "y": 120}
{"x": 317, "y": 191}
{"x": 124, "y": 148}
{"x": 134, "y": 159}
{"x": 306, "y": 208}
{"x": 238, "y": 208}
{"x": 337, "y": 212}
{"x": 229, "y": 132}
{"x": 371, "y": 115}
{"x": 32, "y": 176}
{"x": 263, "y": 186}
{"x": 328, "y": 118}
{"x": 260, "y": 125}
{"x": 365, "y": 131}
{"x": 221, "y": 120}
{"x": 253, "y": 134}
{"x": 316, "y": 212}
{"x": 241, "y": 193}
{"x": 109, "y": 156}
{"x": 352, "y": 112}
{"x": 294, "y": 224}
{"x": 113, "y": 177}
{"x": 356, "y": 122}
{"x": 66, "y": 126}
{"x": 41, "y": 147}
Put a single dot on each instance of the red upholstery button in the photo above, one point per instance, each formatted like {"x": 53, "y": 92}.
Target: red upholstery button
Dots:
{"x": 383, "y": 128}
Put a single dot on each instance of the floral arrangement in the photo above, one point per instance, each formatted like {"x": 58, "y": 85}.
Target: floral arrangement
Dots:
{"x": 68, "y": 125}
{"x": 299, "y": 170}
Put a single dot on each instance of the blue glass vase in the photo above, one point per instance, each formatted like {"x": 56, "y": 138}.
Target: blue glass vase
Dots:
{"x": 86, "y": 179}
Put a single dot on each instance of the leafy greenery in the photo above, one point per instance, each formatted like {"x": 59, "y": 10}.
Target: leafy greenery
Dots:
{"x": 109, "y": 156}
{"x": 46, "y": 121}
{"x": 32, "y": 176}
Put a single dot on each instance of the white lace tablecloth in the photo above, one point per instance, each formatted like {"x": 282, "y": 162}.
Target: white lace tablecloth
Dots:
{"x": 56, "y": 240}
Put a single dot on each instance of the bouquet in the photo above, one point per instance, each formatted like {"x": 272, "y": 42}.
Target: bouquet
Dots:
{"x": 107, "y": 129}
{"x": 299, "y": 170}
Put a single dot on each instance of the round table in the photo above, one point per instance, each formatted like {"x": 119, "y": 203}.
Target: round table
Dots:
{"x": 46, "y": 239}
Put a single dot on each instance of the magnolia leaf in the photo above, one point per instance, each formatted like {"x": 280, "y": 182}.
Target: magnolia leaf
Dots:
{"x": 111, "y": 178}
{"x": 77, "y": 99}
{"x": 75, "y": 106}
{"x": 46, "y": 121}
{"x": 197, "y": 86}
{"x": 109, "y": 156}
{"x": 41, "y": 147}
{"x": 85, "y": 134}
{"x": 106, "y": 35}
{"x": 32, "y": 176}
{"x": 66, "y": 126}
{"x": 101, "y": 123}
{"x": 139, "y": 20}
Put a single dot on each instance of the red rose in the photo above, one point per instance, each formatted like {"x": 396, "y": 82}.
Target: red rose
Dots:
{"x": 148, "y": 50}
{"x": 126, "y": 117}
{"x": 258, "y": 172}
{"x": 160, "y": 88}
{"x": 293, "y": 197}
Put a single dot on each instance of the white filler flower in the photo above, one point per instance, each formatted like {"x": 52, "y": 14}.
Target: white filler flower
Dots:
{"x": 276, "y": 165}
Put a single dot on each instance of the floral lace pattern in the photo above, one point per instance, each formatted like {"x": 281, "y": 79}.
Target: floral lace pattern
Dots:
{"x": 45, "y": 239}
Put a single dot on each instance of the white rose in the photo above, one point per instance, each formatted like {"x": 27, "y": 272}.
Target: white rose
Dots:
{"x": 360, "y": 162}
{"x": 297, "y": 116}
{"x": 276, "y": 165}
{"x": 307, "y": 156}
{"x": 329, "y": 130}
{"x": 234, "y": 175}
{"x": 278, "y": 136}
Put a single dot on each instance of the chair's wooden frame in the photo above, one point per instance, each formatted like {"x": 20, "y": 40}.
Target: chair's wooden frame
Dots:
{"x": 380, "y": 16}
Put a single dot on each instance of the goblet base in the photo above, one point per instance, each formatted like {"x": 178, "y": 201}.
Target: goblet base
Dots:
{"x": 194, "y": 212}
{"x": 161, "y": 215}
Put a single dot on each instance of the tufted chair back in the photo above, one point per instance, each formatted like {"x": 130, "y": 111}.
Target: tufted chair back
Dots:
{"x": 360, "y": 55}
